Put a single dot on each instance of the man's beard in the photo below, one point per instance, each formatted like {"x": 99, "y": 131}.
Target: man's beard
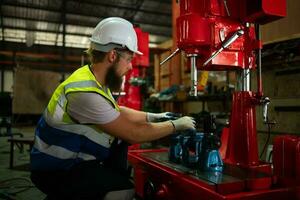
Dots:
{"x": 113, "y": 81}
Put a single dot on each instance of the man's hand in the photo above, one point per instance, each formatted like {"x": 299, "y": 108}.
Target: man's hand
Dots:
{"x": 184, "y": 123}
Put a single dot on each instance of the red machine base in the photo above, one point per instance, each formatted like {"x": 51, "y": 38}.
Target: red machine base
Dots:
{"x": 158, "y": 178}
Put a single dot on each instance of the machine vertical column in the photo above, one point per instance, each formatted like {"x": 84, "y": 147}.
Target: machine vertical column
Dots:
{"x": 194, "y": 75}
{"x": 246, "y": 80}
{"x": 242, "y": 145}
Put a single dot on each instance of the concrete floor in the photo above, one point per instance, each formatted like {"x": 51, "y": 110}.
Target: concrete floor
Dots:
{"x": 15, "y": 183}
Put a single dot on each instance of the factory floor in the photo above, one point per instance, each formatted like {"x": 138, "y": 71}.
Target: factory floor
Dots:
{"x": 15, "y": 183}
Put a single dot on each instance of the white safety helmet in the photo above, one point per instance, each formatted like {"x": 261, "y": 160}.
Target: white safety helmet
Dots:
{"x": 114, "y": 32}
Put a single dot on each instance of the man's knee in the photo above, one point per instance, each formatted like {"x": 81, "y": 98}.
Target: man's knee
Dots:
{"x": 120, "y": 195}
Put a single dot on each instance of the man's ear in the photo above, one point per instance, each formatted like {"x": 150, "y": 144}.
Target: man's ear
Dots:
{"x": 112, "y": 56}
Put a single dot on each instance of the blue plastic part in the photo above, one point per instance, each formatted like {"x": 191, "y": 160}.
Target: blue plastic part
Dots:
{"x": 175, "y": 151}
{"x": 211, "y": 161}
{"x": 193, "y": 149}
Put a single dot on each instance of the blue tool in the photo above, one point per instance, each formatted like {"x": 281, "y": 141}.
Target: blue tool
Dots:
{"x": 197, "y": 149}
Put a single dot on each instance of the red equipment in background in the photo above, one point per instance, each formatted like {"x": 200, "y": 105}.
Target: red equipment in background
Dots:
{"x": 132, "y": 97}
{"x": 224, "y": 35}
{"x": 286, "y": 159}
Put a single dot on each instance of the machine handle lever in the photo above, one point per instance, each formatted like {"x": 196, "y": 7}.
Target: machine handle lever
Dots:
{"x": 235, "y": 36}
{"x": 226, "y": 7}
{"x": 170, "y": 56}
{"x": 225, "y": 44}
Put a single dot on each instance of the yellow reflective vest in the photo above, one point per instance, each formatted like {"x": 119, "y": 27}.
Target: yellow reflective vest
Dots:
{"x": 60, "y": 141}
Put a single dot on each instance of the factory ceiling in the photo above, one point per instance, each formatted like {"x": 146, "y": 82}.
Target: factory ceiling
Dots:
{"x": 61, "y": 25}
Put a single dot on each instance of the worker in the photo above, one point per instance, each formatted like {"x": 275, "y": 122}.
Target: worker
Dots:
{"x": 80, "y": 149}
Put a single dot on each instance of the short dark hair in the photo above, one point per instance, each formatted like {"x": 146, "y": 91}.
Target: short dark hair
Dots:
{"x": 95, "y": 56}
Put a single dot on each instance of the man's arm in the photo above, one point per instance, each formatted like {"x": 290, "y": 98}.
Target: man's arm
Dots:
{"x": 136, "y": 132}
{"x": 133, "y": 115}
{"x": 140, "y": 116}
{"x": 94, "y": 109}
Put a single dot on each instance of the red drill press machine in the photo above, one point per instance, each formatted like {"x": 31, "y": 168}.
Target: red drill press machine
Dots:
{"x": 223, "y": 35}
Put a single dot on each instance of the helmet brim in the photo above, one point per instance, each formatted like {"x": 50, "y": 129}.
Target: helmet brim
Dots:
{"x": 139, "y": 53}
